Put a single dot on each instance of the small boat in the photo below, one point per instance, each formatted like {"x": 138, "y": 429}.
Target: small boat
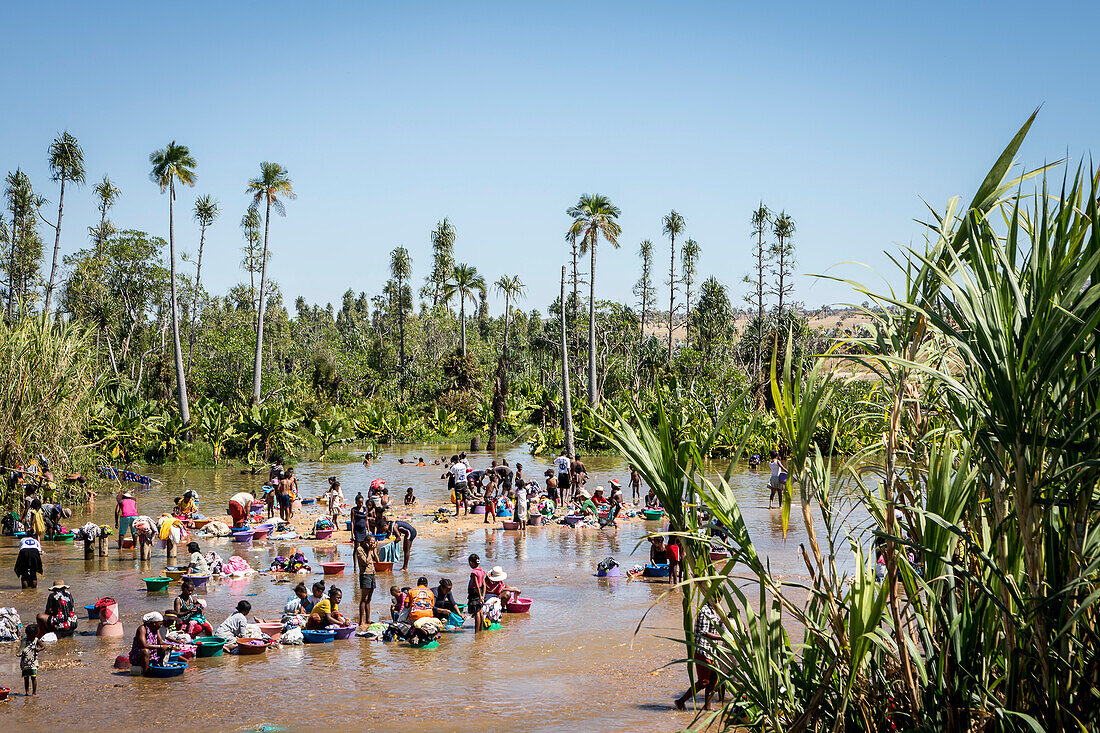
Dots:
{"x": 169, "y": 669}
{"x": 318, "y": 636}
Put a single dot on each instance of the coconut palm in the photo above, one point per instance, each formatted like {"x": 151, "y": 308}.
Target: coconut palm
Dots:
{"x": 689, "y": 259}
{"x": 466, "y": 283}
{"x": 672, "y": 225}
{"x": 206, "y": 211}
{"x": 171, "y": 164}
{"x": 510, "y": 286}
{"x": 66, "y": 164}
{"x": 593, "y": 215}
{"x": 401, "y": 269}
{"x": 269, "y": 188}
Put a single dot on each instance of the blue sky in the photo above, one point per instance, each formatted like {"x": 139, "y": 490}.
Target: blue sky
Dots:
{"x": 390, "y": 116}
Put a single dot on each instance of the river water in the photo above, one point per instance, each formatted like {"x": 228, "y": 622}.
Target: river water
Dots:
{"x": 578, "y": 660}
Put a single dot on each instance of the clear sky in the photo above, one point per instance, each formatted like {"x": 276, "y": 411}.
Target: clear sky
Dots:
{"x": 390, "y": 116}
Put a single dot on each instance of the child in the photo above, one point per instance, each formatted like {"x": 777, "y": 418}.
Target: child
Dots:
{"x": 397, "y": 605}
{"x": 777, "y": 480}
{"x": 28, "y": 660}
{"x": 475, "y": 593}
{"x": 409, "y": 498}
{"x": 335, "y": 500}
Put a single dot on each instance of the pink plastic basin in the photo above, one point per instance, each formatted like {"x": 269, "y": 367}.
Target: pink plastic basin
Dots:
{"x": 333, "y": 568}
{"x": 323, "y": 534}
{"x": 520, "y": 605}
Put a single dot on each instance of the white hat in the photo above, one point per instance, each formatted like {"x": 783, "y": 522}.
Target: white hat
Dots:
{"x": 599, "y": 489}
{"x": 498, "y": 574}
{"x": 151, "y": 617}
{"x": 584, "y": 493}
{"x": 615, "y": 482}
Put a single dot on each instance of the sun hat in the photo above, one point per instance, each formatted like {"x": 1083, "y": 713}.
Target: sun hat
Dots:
{"x": 59, "y": 585}
{"x": 584, "y": 493}
{"x": 498, "y": 574}
{"x": 66, "y": 512}
{"x": 598, "y": 490}
{"x": 378, "y": 483}
{"x": 615, "y": 482}
{"x": 151, "y": 617}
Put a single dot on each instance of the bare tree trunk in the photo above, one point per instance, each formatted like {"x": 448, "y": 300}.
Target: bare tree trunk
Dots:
{"x": 181, "y": 379}
{"x": 500, "y": 384}
{"x": 671, "y": 294}
{"x": 593, "y": 398}
{"x": 56, "y": 249}
{"x": 462, "y": 319}
{"x": 257, "y": 364}
{"x": 195, "y": 301}
{"x": 567, "y": 410}
{"x": 110, "y": 352}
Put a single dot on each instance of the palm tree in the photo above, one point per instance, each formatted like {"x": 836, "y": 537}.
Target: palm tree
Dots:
{"x": 510, "y": 286}
{"x": 672, "y": 225}
{"x": 443, "y": 260}
{"x": 171, "y": 164}
{"x": 66, "y": 164}
{"x": 107, "y": 193}
{"x": 206, "y": 211}
{"x": 689, "y": 258}
{"x": 250, "y": 227}
{"x": 401, "y": 268}
{"x": 783, "y": 255}
{"x": 593, "y": 215}
{"x": 466, "y": 283}
{"x": 269, "y": 188}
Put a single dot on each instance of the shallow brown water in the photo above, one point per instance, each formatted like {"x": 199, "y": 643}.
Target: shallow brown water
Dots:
{"x": 573, "y": 663}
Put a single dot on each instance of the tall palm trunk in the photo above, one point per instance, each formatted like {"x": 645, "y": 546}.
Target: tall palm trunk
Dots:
{"x": 567, "y": 410}
{"x": 759, "y": 301}
{"x": 258, "y": 363}
{"x": 671, "y": 293}
{"x": 576, "y": 344}
{"x": 15, "y": 222}
{"x": 195, "y": 301}
{"x": 500, "y": 384}
{"x": 56, "y": 249}
{"x": 181, "y": 380}
{"x": 462, "y": 320}
{"x": 592, "y": 396}
{"x": 401, "y": 331}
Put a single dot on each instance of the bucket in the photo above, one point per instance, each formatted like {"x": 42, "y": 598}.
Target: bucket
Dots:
{"x": 109, "y": 614}
{"x": 127, "y": 543}
{"x": 477, "y": 509}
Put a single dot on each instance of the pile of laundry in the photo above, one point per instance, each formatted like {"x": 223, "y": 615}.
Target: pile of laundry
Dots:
{"x": 214, "y": 529}
{"x": 92, "y": 531}
{"x": 296, "y": 563}
{"x": 10, "y": 624}
{"x": 237, "y": 567}
{"x": 323, "y": 523}
{"x": 214, "y": 561}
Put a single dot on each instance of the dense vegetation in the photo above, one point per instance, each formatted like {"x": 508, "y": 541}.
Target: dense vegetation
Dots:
{"x": 175, "y": 372}
{"x": 981, "y": 500}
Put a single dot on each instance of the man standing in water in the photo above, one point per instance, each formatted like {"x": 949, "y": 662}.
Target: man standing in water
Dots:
{"x": 561, "y": 463}
{"x": 286, "y": 489}
{"x": 578, "y": 474}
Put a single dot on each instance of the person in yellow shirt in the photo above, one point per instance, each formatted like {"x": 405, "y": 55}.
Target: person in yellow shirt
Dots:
{"x": 35, "y": 521}
{"x": 327, "y": 611}
{"x": 420, "y": 601}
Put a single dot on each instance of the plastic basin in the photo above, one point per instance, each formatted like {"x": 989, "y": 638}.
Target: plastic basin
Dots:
{"x": 333, "y": 568}
{"x": 4, "y": 692}
{"x": 245, "y": 536}
{"x": 247, "y": 647}
{"x": 383, "y": 567}
{"x": 317, "y": 636}
{"x": 613, "y": 572}
{"x": 656, "y": 571}
{"x": 209, "y": 646}
{"x": 322, "y": 534}
{"x": 430, "y": 645}
{"x": 171, "y": 669}
{"x": 344, "y": 632}
{"x": 520, "y": 605}
{"x": 259, "y": 533}
{"x": 510, "y": 525}
{"x": 652, "y": 514}
{"x": 534, "y": 520}
{"x": 155, "y": 584}
{"x": 93, "y": 614}
{"x": 477, "y": 509}
{"x": 174, "y": 573}
{"x": 380, "y": 536}
{"x": 67, "y": 537}
{"x": 347, "y": 526}
{"x": 573, "y": 519}
{"x": 197, "y": 580}
{"x": 200, "y": 523}
{"x": 274, "y": 630}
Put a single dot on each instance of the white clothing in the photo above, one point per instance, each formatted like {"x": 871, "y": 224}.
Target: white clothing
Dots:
{"x": 562, "y": 463}
{"x": 459, "y": 471}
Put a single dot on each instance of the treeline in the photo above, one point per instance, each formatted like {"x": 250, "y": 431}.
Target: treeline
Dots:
{"x": 242, "y": 374}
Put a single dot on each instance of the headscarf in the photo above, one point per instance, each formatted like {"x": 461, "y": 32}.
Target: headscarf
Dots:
{"x": 151, "y": 617}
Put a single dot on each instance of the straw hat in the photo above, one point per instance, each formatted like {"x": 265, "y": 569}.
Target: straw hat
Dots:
{"x": 584, "y": 493}
{"x": 599, "y": 490}
{"x": 498, "y": 574}
{"x": 59, "y": 585}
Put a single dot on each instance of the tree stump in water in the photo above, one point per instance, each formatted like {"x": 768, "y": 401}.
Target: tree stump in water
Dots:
{"x": 89, "y": 549}
{"x": 475, "y": 444}
{"x": 102, "y": 545}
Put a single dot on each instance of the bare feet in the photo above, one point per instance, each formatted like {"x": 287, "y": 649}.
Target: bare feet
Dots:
{"x": 679, "y": 703}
